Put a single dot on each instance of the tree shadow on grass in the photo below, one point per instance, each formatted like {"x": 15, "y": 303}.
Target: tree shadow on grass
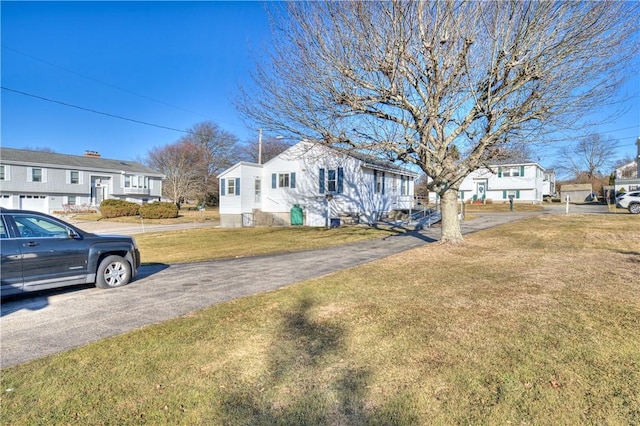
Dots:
{"x": 634, "y": 256}
{"x": 309, "y": 381}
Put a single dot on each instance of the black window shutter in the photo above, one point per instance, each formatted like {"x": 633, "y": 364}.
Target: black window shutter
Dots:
{"x": 321, "y": 181}
{"x": 382, "y": 183}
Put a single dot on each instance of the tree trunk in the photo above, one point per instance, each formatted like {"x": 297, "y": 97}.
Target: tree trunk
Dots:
{"x": 450, "y": 223}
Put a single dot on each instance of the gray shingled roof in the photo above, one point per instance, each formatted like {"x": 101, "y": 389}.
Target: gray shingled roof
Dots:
{"x": 23, "y": 156}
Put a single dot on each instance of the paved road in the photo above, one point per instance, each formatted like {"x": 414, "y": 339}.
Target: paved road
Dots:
{"x": 55, "y": 321}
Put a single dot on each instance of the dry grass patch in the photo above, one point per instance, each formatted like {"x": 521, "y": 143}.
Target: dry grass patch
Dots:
{"x": 215, "y": 243}
{"x": 535, "y": 322}
{"x": 502, "y": 207}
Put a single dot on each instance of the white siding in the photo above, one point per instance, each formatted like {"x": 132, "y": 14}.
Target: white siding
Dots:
{"x": 299, "y": 169}
{"x": 527, "y": 185}
{"x": 56, "y": 186}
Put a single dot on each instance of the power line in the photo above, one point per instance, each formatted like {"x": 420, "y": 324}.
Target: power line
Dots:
{"x": 95, "y": 111}
{"x": 51, "y": 64}
{"x": 573, "y": 139}
{"x": 101, "y": 82}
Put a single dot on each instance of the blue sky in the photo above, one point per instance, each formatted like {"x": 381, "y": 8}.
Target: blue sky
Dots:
{"x": 172, "y": 64}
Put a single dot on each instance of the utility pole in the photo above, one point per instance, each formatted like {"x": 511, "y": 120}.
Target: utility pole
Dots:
{"x": 260, "y": 146}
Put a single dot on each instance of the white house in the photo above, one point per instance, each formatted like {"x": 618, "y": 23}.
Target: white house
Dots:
{"x": 49, "y": 182}
{"x": 323, "y": 183}
{"x": 628, "y": 176}
{"x": 525, "y": 182}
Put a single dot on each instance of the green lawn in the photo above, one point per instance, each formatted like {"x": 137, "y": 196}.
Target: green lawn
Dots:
{"x": 535, "y": 322}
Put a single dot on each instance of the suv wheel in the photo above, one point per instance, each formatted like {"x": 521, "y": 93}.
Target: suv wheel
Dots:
{"x": 634, "y": 208}
{"x": 114, "y": 271}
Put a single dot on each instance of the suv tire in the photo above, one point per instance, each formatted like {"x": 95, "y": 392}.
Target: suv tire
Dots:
{"x": 114, "y": 271}
{"x": 634, "y": 208}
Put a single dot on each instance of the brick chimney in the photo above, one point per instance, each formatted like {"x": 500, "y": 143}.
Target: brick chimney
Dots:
{"x": 93, "y": 154}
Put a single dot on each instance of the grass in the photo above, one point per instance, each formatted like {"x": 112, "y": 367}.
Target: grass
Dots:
{"x": 215, "y": 243}
{"x": 535, "y": 322}
{"x": 502, "y": 207}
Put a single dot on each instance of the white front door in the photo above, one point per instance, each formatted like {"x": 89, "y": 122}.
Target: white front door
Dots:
{"x": 481, "y": 190}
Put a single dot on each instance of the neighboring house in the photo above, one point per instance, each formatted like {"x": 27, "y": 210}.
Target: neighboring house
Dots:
{"x": 628, "y": 171}
{"x": 315, "y": 185}
{"x": 522, "y": 181}
{"x": 576, "y": 192}
{"x": 628, "y": 176}
{"x": 549, "y": 183}
{"x": 49, "y": 182}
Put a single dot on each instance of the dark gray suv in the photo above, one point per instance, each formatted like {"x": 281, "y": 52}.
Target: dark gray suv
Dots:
{"x": 40, "y": 252}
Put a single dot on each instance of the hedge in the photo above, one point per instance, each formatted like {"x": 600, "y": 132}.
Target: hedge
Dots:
{"x": 159, "y": 210}
{"x": 118, "y": 208}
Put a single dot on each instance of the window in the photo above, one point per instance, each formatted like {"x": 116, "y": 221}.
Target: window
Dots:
{"x": 133, "y": 181}
{"x": 404, "y": 185}
{"x": 331, "y": 180}
{"x": 71, "y": 200}
{"x": 510, "y": 171}
{"x": 35, "y": 226}
{"x": 283, "y": 180}
{"x": 36, "y": 175}
{"x": 511, "y": 194}
{"x": 230, "y": 186}
{"x": 5, "y": 172}
{"x": 74, "y": 177}
{"x": 378, "y": 181}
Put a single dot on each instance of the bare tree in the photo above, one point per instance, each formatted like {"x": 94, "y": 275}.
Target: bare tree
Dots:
{"x": 421, "y": 189}
{"x": 182, "y": 164}
{"x": 271, "y": 147}
{"x": 444, "y": 85}
{"x": 591, "y": 157}
{"x": 219, "y": 150}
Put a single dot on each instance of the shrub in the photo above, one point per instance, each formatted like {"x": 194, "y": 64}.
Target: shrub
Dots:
{"x": 118, "y": 208}
{"x": 159, "y": 210}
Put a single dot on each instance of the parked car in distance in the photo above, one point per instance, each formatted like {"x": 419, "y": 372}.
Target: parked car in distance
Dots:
{"x": 630, "y": 201}
{"x": 39, "y": 251}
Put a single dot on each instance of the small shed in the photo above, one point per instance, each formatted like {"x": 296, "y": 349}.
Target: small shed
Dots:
{"x": 577, "y": 193}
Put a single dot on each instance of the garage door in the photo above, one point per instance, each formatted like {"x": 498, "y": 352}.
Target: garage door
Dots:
{"x": 34, "y": 202}
{"x": 6, "y": 201}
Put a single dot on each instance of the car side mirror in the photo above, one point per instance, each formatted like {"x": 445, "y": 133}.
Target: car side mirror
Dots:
{"x": 72, "y": 234}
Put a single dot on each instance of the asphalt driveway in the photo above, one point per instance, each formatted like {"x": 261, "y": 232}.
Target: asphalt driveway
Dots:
{"x": 50, "y": 322}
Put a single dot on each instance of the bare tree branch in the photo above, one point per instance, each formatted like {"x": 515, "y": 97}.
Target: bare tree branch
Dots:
{"x": 593, "y": 156}
{"x": 413, "y": 80}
